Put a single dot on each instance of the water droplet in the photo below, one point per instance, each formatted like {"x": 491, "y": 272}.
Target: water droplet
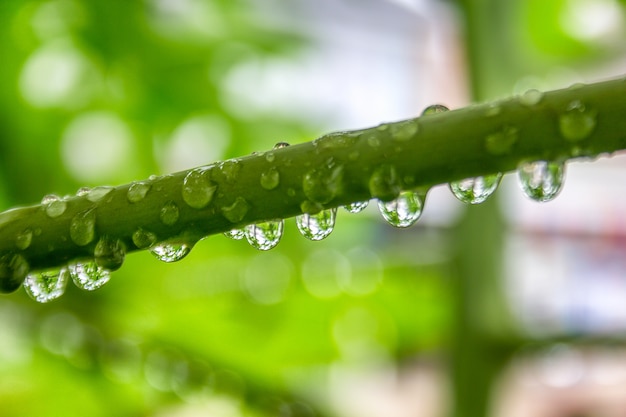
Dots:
{"x": 143, "y": 239}
{"x": 403, "y": 131}
{"x": 501, "y": 142}
{"x": 493, "y": 109}
{"x": 269, "y": 157}
{"x": 171, "y": 252}
{"x": 198, "y": 189}
{"x": 236, "y": 211}
{"x": 98, "y": 193}
{"x": 83, "y": 191}
{"x": 384, "y": 183}
{"x": 356, "y": 207}
{"x": 83, "y": 226}
{"x": 270, "y": 179}
{"x": 541, "y": 180}
{"x": 475, "y": 190}
{"x": 531, "y": 98}
{"x": 169, "y": 213}
{"x": 137, "y": 191}
{"x": 229, "y": 170}
{"x": 13, "y": 270}
{"x": 372, "y": 139}
{"x": 54, "y": 205}
{"x": 88, "y": 275}
{"x": 281, "y": 145}
{"x": 236, "y": 234}
{"x": 44, "y": 286}
{"x": 317, "y": 226}
{"x": 435, "y": 109}
{"x": 265, "y": 235}
{"x": 23, "y": 239}
{"x": 322, "y": 184}
{"x": 404, "y": 210}
{"x": 109, "y": 253}
{"x": 577, "y": 122}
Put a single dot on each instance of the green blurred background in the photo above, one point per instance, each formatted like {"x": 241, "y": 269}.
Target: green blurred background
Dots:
{"x": 370, "y": 322}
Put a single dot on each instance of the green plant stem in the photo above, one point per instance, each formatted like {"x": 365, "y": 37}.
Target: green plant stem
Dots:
{"x": 334, "y": 170}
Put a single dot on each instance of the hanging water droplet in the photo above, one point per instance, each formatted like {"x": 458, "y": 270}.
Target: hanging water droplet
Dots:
{"x": 169, "y": 213}
{"x": 270, "y": 179}
{"x": 531, "y": 98}
{"x": 54, "y": 205}
{"x": 198, "y": 189}
{"x": 236, "y": 211}
{"x": 404, "y": 210}
{"x": 322, "y": 184}
{"x": 13, "y": 271}
{"x": 501, "y": 142}
{"x": 23, "y": 239}
{"x": 356, "y": 207}
{"x": 435, "y": 109}
{"x": 475, "y": 190}
{"x": 143, "y": 239}
{"x": 98, "y": 193}
{"x": 44, "y": 286}
{"x": 541, "y": 180}
{"x": 137, "y": 191}
{"x": 577, "y": 122}
{"x": 403, "y": 131}
{"x": 265, "y": 235}
{"x": 235, "y": 234}
{"x": 83, "y": 226}
{"x": 317, "y": 226}
{"x": 384, "y": 183}
{"x": 229, "y": 170}
{"x": 109, "y": 253}
{"x": 171, "y": 252}
{"x": 88, "y": 275}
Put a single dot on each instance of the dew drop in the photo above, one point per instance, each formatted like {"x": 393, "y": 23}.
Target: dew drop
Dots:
{"x": 280, "y": 145}
{"x": 404, "y": 210}
{"x": 501, "y": 142}
{"x": 82, "y": 227}
{"x": 169, "y": 213}
{"x": 403, "y": 131}
{"x": 83, "y": 191}
{"x": 541, "y": 180}
{"x": 384, "y": 183}
{"x": 23, "y": 239}
{"x": 270, "y": 179}
{"x": 265, "y": 235}
{"x": 236, "y": 211}
{"x": 137, "y": 191}
{"x": 98, "y": 193}
{"x": 493, "y": 109}
{"x": 235, "y": 234}
{"x": 322, "y": 184}
{"x": 270, "y": 156}
{"x": 356, "y": 207}
{"x": 475, "y": 190}
{"x": 435, "y": 109}
{"x": 13, "y": 270}
{"x": 229, "y": 170}
{"x": 45, "y": 286}
{"x": 109, "y": 253}
{"x": 143, "y": 239}
{"x": 88, "y": 275}
{"x": 577, "y": 122}
{"x": 198, "y": 189}
{"x": 54, "y": 205}
{"x": 171, "y": 252}
{"x": 531, "y": 98}
{"x": 317, "y": 226}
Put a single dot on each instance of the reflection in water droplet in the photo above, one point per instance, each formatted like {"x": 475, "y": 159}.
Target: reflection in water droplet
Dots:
{"x": 143, "y": 239}
{"x": 137, "y": 191}
{"x": 98, "y": 193}
{"x": 82, "y": 227}
{"x": 13, "y": 270}
{"x": 435, "y": 109}
{"x": 23, "y": 239}
{"x": 577, "y": 122}
{"x": 236, "y": 234}
{"x": 531, "y": 98}
{"x": 265, "y": 235}
{"x": 317, "y": 226}
{"x": 475, "y": 190}
{"x": 88, "y": 276}
{"x": 109, "y": 253}
{"x": 403, "y": 131}
{"x": 404, "y": 210}
{"x": 270, "y": 179}
{"x": 54, "y": 205}
{"x": 541, "y": 180}
{"x": 169, "y": 213}
{"x": 384, "y": 183}
{"x": 198, "y": 189}
{"x": 171, "y": 252}
{"x": 44, "y": 286}
{"x": 357, "y": 207}
{"x": 236, "y": 211}
{"x": 501, "y": 142}
{"x": 322, "y": 184}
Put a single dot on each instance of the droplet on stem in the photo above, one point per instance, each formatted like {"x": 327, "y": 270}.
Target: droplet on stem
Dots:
{"x": 541, "y": 180}
{"x": 317, "y": 226}
{"x": 23, "y": 239}
{"x": 54, "y": 205}
{"x": 475, "y": 190}
{"x": 384, "y": 183}
{"x": 109, "y": 253}
{"x": 198, "y": 189}
{"x": 235, "y": 234}
{"x": 169, "y": 213}
{"x": 404, "y": 210}
{"x": 98, "y": 193}
{"x": 435, "y": 109}
{"x": 82, "y": 227}
{"x": 88, "y": 275}
{"x": 13, "y": 271}
{"x": 45, "y": 286}
{"x": 236, "y": 211}
{"x": 265, "y": 235}
{"x": 322, "y": 184}
{"x": 578, "y": 122}
{"x": 143, "y": 239}
{"x": 171, "y": 252}
{"x": 531, "y": 98}
{"x": 270, "y": 179}
{"x": 137, "y": 191}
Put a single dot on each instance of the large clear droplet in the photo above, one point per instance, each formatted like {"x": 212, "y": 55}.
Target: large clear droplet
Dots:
{"x": 143, "y": 239}
{"x": 13, "y": 270}
{"x": 322, "y": 184}
{"x": 265, "y": 235}
{"x": 169, "y": 213}
{"x": 475, "y": 190}
{"x": 236, "y": 211}
{"x": 404, "y": 210}
{"x": 235, "y": 234}
{"x": 137, "y": 191}
{"x": 44, "y": 286}
{"x": 198, "y": 189}
{"x": 541, "y": 180}
{"x": 109, "y": 253}
{"x": 54, "y": 205}
{"x": 270, "y": 179}
{"x": 228, "y": 170}
{"x": 82, "y": 227}
{"x": 88, "y": 276}
{"x": 357, "y": 207}
{"x": 317, "y": 226}
{"x": 435, "y": 109}
{"x": 171, "y": 252}
{"x": 577, "y": 122}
